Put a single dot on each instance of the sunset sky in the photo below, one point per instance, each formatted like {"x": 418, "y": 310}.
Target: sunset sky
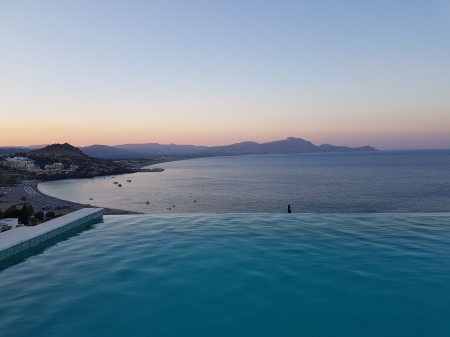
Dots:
{"x": 347, "y": 72}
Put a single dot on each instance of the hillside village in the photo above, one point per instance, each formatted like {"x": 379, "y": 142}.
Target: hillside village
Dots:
{"x": 29, "y": 165}
{"x": 57, "y": 161}
{"x": 20, "y": 174}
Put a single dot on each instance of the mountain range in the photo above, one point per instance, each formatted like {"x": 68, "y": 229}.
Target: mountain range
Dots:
{"x": 290, "y": 145}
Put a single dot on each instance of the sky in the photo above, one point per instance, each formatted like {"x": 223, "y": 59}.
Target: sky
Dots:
{"x": 349, "y": 72}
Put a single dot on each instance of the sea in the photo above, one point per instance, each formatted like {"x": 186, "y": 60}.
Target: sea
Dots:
{"x": 365, "y": 253}
{"x": 358, "y": 182}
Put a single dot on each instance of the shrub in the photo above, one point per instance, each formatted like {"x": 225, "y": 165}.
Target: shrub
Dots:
{"x": 32, "y": 222}
{"x": 4, "y": 228}
{"x": 50, "y": 215}
{"x": 39, "y": 215}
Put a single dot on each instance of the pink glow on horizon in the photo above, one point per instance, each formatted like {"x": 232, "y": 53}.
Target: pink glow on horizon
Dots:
{"x": 384, "y": 141}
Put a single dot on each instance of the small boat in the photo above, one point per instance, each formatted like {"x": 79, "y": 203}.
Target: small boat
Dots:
{"x": 91, "y": 198}
{"x": 128, "y": 181}
{"x": 195, "y": 200}
{"x": 147, "y": 202}
{"x": 169, "y": 208}
{"x": 115, "y": 182}
{"x": 120, "y": 185}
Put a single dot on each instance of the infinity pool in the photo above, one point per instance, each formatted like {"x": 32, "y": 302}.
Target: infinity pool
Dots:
{"x": 237, "y": 275}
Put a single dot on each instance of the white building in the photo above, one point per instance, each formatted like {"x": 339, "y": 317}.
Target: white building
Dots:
{"x": 13, "y": 222}
{"x": 19, "y": 162}
{"x": 55, "y": 166}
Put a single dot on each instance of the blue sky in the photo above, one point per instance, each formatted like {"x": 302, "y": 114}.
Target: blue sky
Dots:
{"x": 209, "y": 72}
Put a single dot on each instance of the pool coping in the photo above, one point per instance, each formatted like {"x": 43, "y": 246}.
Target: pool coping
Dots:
{"x": 22, "y": 239}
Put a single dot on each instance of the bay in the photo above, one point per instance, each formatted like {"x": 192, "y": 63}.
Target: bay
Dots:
{"x": 368, "y": 182}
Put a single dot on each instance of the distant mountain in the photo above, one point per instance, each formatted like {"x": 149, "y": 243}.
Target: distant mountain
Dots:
{"x": 34, "y": 147}
{"x": 290, "y": 145}
{"x": 11, "y": 150}
{"x": 155, "y": 149}
{"x": 110, "y": 152}
{"x": 333, "y": 148}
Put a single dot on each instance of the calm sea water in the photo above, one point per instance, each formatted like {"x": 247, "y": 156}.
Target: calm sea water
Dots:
{"x": 237, "y": 275}
{"x": 384, "y": 181}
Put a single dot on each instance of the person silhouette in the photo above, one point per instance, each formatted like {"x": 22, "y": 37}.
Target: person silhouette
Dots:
{"x": 289, "y": 208}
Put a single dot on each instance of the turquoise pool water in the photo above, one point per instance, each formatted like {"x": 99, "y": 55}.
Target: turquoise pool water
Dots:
{"x": 237, "y": 275}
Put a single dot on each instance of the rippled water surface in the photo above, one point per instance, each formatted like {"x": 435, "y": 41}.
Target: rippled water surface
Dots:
{"x": 237, "y": 275}
{"x": 384, "y": 181}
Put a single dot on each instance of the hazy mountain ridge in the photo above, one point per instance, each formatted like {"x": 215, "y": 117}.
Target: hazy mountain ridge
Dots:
{"x": 111, "y": 152}
{"x": 290, "y": 145}
{"x": 162, "y": 149}
{"x": 6, "y": 150}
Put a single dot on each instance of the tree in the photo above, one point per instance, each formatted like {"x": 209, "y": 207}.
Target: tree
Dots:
{"x": 39, "y": 215}
{"x": 23, "y": 198}
{"x": 23, "y": 217}
{"x": 30, "y": 210}
{"x": 12, "y": 212}
{"x": 1, "y": 214}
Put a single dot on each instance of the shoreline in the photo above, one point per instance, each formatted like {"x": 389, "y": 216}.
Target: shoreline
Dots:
{"x": 29, "y": 189}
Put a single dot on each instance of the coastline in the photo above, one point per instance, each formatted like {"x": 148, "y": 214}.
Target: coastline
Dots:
{"x": 30, "y": 190}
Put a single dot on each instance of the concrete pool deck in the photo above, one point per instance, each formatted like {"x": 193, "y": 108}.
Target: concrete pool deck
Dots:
{"x": 21, "y": 240}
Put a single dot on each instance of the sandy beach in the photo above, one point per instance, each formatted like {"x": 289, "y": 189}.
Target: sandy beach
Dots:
{"x": 29, "y": 190}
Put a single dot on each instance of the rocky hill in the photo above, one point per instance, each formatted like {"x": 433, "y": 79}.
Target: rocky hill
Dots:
{"x": 59, "y": 151}
{"x": 71, "y": 156}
